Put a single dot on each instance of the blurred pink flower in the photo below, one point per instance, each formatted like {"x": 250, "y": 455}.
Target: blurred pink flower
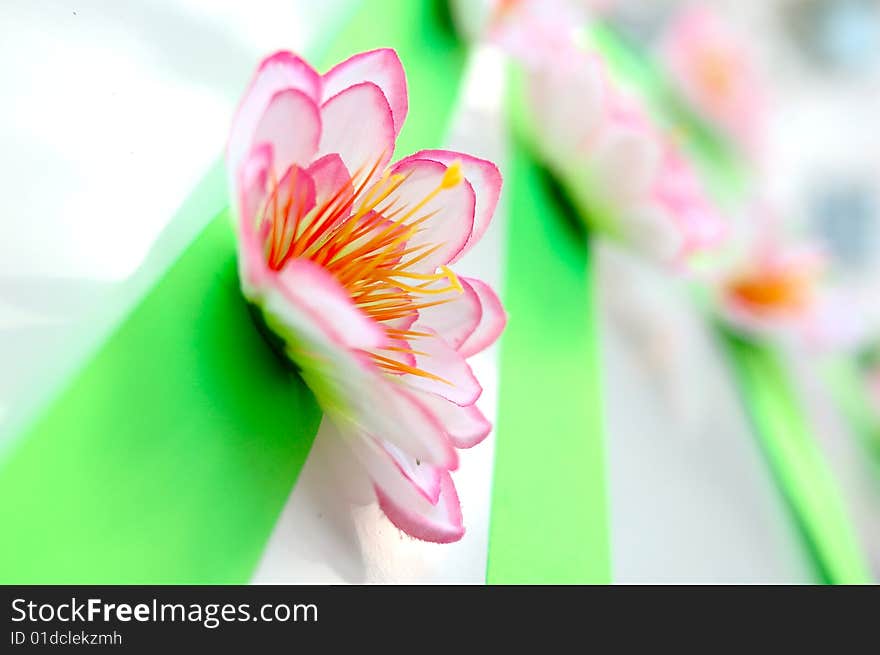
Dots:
{"x": 774, "y": 288}
{"x": 522, "y": 25}
{"x": 713, "y": 68}
{"x": 622, "y": 170}
{"x": 528, "y": 28}
{"x": 346, "y": 257}
{"x": 775, "y": 285}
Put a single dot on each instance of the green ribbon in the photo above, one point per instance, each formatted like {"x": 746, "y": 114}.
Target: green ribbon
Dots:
{"x": 797, "y": 463}
{"x": 846, "y": 381}
{"x": 549, "y": 520}
{"x": 167, "y": 457}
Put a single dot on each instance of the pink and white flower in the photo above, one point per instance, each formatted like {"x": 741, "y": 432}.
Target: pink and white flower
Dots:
{"x": 625, "y": 173}
{"x": 774, "y": 289}
{"x": 640, "y": 176}
{"x": 346, "y": 255}
{"x": 777, "y": 287}
{"x": 521, "y": 25}
{"x": 713, "y": 67}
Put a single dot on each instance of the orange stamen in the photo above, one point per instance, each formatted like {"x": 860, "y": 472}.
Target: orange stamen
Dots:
{"x": 360, "y": 235}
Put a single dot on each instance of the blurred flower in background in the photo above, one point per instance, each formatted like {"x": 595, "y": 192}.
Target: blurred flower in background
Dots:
{"x": 713, "y": 68}
{"x": 800, "y": 270}
{"x": 625, "y": 173}
{"x": 773, "y": 287}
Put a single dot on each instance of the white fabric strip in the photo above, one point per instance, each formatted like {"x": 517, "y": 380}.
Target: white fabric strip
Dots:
{"x": 692, "y": 498}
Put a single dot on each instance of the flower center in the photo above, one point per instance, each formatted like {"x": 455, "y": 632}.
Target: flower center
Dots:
{"x": 361, "y": 235}
{"x": 776, "y": 291}
{"x": 715, "y": 71}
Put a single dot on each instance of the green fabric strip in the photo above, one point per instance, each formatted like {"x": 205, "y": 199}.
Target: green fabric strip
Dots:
{"x": 549, "y": 520}
{"x": 797, "y": 462}
{"x": 168, "y": 456}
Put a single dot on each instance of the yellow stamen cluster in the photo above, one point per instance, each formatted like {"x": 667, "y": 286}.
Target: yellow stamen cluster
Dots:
{"x": 774, "y": 291}
{"x": 360, "y": 235}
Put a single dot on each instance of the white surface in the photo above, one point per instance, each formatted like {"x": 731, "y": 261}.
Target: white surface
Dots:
{"x": 691, "y": 496}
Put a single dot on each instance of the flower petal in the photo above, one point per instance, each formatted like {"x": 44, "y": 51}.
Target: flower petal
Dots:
{"x": 567, "y": 99}
{"x": 292, "y": 124}
{"x": 394, "y": 414}
{"x": 625, "y": 163}
{"x": 450, "y": 375}
{"x": 651, "y": 230}
{"x": 492, "y": 321}
{"x": 320, "y": 330}
{"x": 441, "y": 524}
{"x": 281, "y": 71}
{"x": 332, "y": 181}
{"x": 485, "y": 180}
{"x": 448, "y": 214}
{"x": 249, "y": 192}
{"x": 679, "y": 191}
{"x": 403, "y": 323}
{"x": 357, "y": 125}
{"x": 456, "y": 319}
{"x": 313, "y": 290}
{"x": 252, "y": 182}
{"x": 465, "y": 426}
{"x": 423, "y": 476}
{"x": 365, "y": 399}
{"x": 381, "y": 67}
{"x": 406, "y": 505}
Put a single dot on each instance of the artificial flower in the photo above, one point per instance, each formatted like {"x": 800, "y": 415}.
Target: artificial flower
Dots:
{"x": 712, "y": 67}
{"x": 629, "y": 177}
{"x": 775, "y": 286}
{"x": 517, "y": 23}
{"x": 346, "y": 256}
